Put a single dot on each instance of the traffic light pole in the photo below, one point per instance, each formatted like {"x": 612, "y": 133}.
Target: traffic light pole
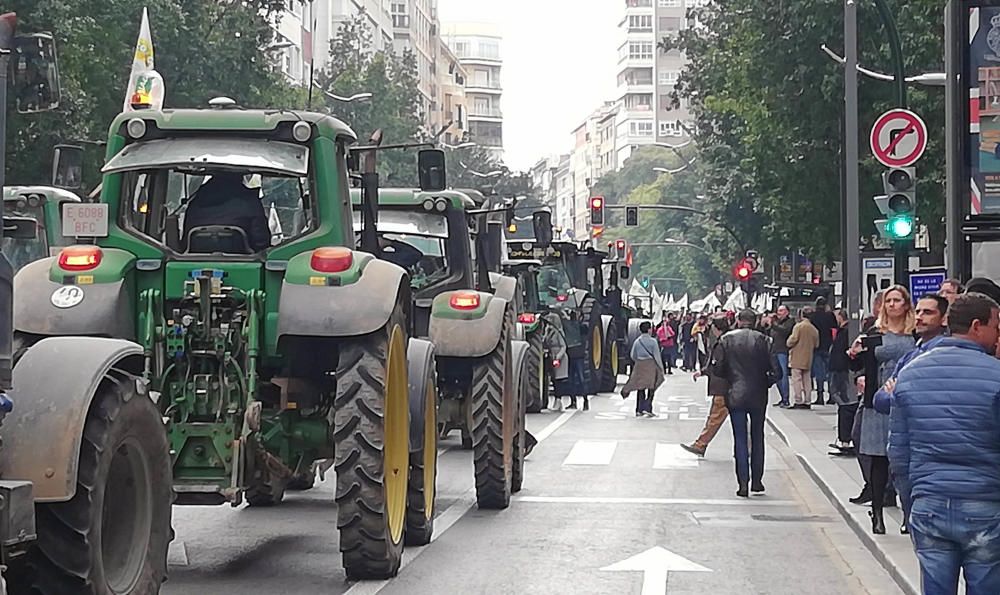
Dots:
{"x": 852, "y": 253}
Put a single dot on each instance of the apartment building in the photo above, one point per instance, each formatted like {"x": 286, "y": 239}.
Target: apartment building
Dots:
{"x": 416, "y": 28}
{"x": 565, "y": 208}
{"x": 647, "y": 76}
{"x": 331, "y": 13}
{"x": 477, "y": 47}
{"x": 292, "y": 48}
{"x": 451, "y": 112}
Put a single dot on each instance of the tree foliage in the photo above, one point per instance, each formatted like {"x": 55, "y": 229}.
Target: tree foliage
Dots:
{"x": 202, "y": 50}
{"x": 769, "y": 108}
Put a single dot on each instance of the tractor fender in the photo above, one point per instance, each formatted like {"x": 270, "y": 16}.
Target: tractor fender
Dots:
{"x": 54, "y": 383}
{"x": 504, "y": 287}
{"x": 350, "y": 310}
{"x": 420, "y": 366}
{"x": 105, "y": 310}
{"x": 476, "y": 337}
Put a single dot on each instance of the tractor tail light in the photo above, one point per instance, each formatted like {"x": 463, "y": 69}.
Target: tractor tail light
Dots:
{"x": 332, "y": 260}
{"x": 80, "y": 258}
{"x": 555, "y": 363}
{"x": 464, "y": 301}
{"x": 562, "y": 298}
{"x": 527, "y": 318}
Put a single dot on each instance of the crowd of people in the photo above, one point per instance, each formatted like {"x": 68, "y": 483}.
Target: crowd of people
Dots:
{"x": 918, "y": 398}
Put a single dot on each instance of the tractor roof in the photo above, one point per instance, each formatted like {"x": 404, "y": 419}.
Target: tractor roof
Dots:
{"x": 416, "y": 197}
{"x": 50, "y": 192}
{"x": 234, "y": 120}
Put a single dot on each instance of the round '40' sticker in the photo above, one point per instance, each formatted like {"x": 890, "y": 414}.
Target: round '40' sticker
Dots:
{"x": 67, "y": 296}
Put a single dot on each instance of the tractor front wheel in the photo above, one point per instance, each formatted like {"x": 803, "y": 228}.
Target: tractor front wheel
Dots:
{"x": 112, "y": 536}
{"x": 493, "y": 423}
{"x": 371, "y": 435}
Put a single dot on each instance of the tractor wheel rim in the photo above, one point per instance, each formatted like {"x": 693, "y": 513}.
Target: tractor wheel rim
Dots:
{"x": 430, "y": 450}
{"x": 396, "y": 448}
{"x": 596, "y": 348}
{"x": 126, "y": 521}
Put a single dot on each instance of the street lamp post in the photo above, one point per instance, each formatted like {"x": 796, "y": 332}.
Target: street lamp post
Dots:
{"x": 349, "y": 99}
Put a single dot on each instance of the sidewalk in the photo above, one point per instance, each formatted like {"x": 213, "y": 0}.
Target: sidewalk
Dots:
{"x": 808, "y": 434}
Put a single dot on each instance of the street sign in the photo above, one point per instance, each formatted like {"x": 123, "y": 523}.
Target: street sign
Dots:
{"x": 925, "y": 282}
{"x": 877, "y": 274}
{"x": 899, "y": 138}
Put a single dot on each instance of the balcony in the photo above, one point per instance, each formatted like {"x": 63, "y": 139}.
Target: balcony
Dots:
{"x": 480, "y": 86}
{"x": 493, "y": 113}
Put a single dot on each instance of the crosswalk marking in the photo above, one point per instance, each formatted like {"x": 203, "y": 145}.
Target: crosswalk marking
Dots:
{"x": 672, "y": 456}
{"x": 591, "y": 452}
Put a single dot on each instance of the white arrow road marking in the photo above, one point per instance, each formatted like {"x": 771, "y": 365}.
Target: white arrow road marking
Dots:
{"x": 177, "y": 554}
{"x": 672, "y": 456}
{"x": 591, "y": 452}
{"x": 656, "y": 564}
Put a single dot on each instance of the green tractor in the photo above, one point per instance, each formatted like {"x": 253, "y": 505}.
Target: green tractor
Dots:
{"x": 247, "y": 357}
{"x": 468, "y": 312}
{"x": 44, "y": 205}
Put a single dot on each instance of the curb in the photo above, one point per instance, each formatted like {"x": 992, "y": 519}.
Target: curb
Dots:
{"x": 794, "y": 438}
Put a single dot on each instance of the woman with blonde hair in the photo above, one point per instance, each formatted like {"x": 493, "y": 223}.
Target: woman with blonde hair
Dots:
{"x": 892, "y": 339}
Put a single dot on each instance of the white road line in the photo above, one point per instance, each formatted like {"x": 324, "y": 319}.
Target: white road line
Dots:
{"x": 672, "y": 456}
{"x": 656, "y": 501}
{"x": 591, "y": 452}
{"x": 447, "y": 519}
{"x": 177, "y": 554}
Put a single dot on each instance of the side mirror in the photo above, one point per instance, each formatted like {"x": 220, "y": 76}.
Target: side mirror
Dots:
{"x": 624, "y": 272}
{"x": 542, "y": 223}
{"x": 431, "y": 167}
{"x": 36, "y": 73}
{"x": 20, "y": 228}
{"x": 67, "y": 167}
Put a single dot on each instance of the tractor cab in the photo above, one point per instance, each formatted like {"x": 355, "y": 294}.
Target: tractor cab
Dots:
{"x": 43, "y": 205}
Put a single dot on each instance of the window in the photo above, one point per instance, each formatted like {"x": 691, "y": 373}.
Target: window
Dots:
{"x": 643, "y": 128}
{"x": 489, "y": 49}
{"x": 670, "y": 24}
{"x": 671, "y": 128}
{"x": 672, "y": 3}
{"x": 638, "y": 102}
{"x": 640, "y": 50}
{"x": 461, "y": 48}
{"x": 638, "y": 3}
{"x": 669, "y": 77}
{"x": 638, "y": 23}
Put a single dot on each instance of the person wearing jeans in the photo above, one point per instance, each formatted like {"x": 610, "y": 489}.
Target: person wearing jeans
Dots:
{"x": 647, "y": 371}
{"x": 744, "y": 360}
{"x": 779, "y": 331}
{"x": 944, "y": 451}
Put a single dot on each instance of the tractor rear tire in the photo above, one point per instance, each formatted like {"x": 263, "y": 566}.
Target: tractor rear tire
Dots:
{"x": 609, "y": 367}
{"x": 537, "y": 394}
{"x": 493, "y": 423}
{"x": 371, "y": 435}
{"x": 421, "y": 489}
{"x": 591, "y": 315}
{"x": 112, "y": 536}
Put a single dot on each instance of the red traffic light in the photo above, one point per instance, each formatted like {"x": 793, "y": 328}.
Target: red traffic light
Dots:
{"x": 743, "y": 269}
{"x": 621, "y": 245}
{"x": 597, "y": 202}
{"x": 817, "y": 280}
{"x": 743, "y": 272}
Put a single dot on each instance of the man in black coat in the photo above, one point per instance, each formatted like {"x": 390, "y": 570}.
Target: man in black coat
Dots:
{"x": 225, "y": 200}
{"x": 744, "y": 360}
{"x": 825, "y": 322}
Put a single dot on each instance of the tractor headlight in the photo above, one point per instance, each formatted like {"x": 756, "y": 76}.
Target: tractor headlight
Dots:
{"x": 301, "y": 131}
{"x": 441, "y": 205}
{"x": 428, "y": 205}
{"x": 136, "y": 128}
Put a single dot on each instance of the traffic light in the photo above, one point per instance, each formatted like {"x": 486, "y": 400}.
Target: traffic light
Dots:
{"x": 597, "y": 210}
{"x": 631, "y": 216}
{"x": 900, "y": 205}
{"x": 743, "y": 270}
{"x": 644, "y": 282}
{"x": 621, "y": 249}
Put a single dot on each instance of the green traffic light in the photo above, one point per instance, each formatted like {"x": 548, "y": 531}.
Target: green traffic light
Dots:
{"x": 900, "y": 227}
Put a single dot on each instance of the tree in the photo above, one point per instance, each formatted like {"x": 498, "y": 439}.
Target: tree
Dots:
{"x": 392, "y": 79}
{"x": 203, "y": 50}
{"x": 768, "y": 107}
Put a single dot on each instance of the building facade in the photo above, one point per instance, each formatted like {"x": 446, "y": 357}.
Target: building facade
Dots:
{"x": 477, "y": 47}
{"x": 450, "y": 116}
{"x": 647, "y": 76}
{"x": 416, "y": 28}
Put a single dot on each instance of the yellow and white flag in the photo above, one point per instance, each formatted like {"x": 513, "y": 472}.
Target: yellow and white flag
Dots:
{"x": 145, "y": 86}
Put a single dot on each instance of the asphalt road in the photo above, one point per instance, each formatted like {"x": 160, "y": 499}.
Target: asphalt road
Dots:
{"x": 611, "y": 505}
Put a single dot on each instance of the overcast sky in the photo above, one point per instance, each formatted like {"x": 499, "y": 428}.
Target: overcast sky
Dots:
{"x": 559, "y": 63}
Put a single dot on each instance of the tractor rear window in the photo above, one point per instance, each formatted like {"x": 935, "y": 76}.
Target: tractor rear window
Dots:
{"x": 172, "y": 206}
{"x": 414, "y": 241}
{"x": 554, "y": 287}
{"x": 24, "y": 251}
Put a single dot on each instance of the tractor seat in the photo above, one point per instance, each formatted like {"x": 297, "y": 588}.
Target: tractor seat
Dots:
{"x": 218, "y": 239}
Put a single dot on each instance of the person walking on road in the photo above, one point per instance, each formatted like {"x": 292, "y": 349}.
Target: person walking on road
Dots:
{"x": 744, "y": 360}
{"x": 647, "y": 373}
{"x": 689, "y": 344}
{"x": 666, "y": 333}
{"x": 779, "y": 331}
{"x": 945, "y": 451}
{"x": 802, "y": 344}
{"x": 717, "y": 390}
{"x": 825, "y": 323}
{"x": 894, "y": 339}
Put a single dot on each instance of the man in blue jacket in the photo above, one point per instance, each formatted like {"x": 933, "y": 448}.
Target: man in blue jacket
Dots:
{"x": 944, "y": 450}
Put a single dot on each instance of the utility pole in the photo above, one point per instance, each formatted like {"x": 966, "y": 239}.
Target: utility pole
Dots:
{"x": 953, "y": 140}
{"x": 852, "y": 253}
